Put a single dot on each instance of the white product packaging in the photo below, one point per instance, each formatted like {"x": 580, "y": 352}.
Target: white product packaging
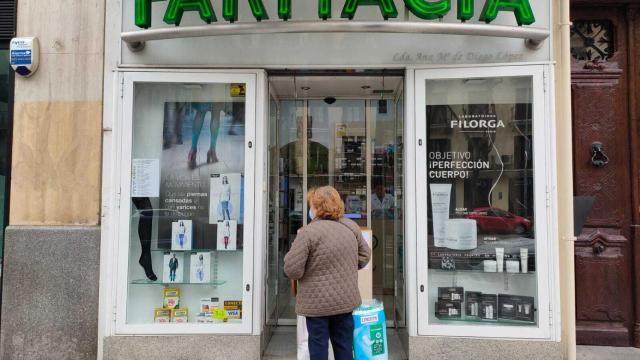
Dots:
{"x": 513, "y": 266}
{"x": 461, "y": 234}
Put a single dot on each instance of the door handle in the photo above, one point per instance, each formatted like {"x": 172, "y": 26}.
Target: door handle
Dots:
{"x": 599, "y": 248}
{"x": 598, "y": 157}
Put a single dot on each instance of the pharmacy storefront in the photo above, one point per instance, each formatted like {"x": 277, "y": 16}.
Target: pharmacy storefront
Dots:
{"x": 434, "y": 120}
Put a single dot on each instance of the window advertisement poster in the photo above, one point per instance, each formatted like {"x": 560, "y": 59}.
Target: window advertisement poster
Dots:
{"x": 481, "y": 209}
{"x": 224, "y": 201}
{"x": 184, "y": 135}
{"x": 201, "y": 174}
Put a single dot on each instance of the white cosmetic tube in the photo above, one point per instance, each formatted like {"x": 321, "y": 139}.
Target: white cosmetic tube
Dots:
{"x": 500, "y": 259}
{"x": 440, "y": 198}
{"x": 524, "y": 259}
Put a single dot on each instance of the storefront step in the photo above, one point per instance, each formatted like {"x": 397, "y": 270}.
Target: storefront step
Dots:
{"x": 283, "y": 345}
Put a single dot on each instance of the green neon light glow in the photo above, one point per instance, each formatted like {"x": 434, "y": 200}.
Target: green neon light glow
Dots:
{"x": 230, "y": 10}
{"x": 324, "y": 9}
{"x": 284, "y": 9}
{"x": 428, "y": 10}
{"x": 143, "y": 13}
{"x": 387, "y": 8}
{"x": 521, "y": 9}
{"x": 176, "y": 9}
{"x": 424, "y": 9}
{"x": 465, "y": 10}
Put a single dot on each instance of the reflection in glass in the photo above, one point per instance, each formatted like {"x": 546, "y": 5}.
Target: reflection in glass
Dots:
{"x": 481, "y": 243}
{"x": 337, "y": 134}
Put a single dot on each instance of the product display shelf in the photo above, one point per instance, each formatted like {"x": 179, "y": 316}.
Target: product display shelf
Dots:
{"x": 195, "y": 250}
{"x": 501, "y": 322}
{"x": 149, "y": 282}
{"x": 455, "y": 272}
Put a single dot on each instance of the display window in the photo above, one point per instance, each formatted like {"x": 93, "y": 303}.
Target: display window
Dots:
{"x": 187, "y": 202}
{"x": 483, "y": 235}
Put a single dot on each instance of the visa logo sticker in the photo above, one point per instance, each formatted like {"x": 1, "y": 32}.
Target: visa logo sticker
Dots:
{"x": 370, "y": 319}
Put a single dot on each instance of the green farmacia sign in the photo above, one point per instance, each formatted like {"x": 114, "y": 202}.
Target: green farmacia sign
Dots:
{"x": 423, "y": 9}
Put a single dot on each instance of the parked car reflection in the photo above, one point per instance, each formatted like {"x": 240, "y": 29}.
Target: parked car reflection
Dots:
{"x": 494, "y": 220}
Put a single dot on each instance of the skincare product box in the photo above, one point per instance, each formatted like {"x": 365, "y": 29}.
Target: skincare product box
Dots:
{"x": 448, "y": 310}
{"x": 208, "y": 304}
{"x": 489, "y": 307}
{"x": 171, "y": 298}
{"x": 472, "y": 304}
{"x": 204, "y": 318}
{"x": 513, "y": 266}
{"x": 162, "y": 316}
{"x": 516, "y": 307}
{"x": 490, "y": 265}
{"x": 450, "y": 294}
{"x": 461, "y": 234}
{"x": 180, "y": 316}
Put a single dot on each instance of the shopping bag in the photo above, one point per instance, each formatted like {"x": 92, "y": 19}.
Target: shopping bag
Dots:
{"x": 302, "y": 337}
{"x": 370, "y": 332}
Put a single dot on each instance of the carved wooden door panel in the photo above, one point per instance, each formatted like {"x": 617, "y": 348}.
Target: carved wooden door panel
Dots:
{"x": 600, "y": 105}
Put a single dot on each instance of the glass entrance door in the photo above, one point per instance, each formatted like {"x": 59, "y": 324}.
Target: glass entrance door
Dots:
{"x": 338, "y": 131}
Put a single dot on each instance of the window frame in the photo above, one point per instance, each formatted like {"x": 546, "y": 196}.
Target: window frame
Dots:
{"x": 123, "y": 199}
{"x": 544, "y": 198}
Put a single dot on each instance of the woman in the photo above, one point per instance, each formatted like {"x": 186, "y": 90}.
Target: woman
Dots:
{"x": 225, "y": 198}
{"x": 200, "y": 268}
{"x": 325, "y": 259}
{"x": 227, "y": 233}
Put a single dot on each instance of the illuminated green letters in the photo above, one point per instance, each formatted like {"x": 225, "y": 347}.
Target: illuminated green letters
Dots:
{"x": 324, "y": 9}
{"x": 428, "y": 10}
{"x": 230, "y": 10}
{"x": 521, "y": 9}
{"x": 424, "y": 9}
{"x": 284, "y": 9}
{"x": 387, "y": 7}
{"x": 143, "y": 13}
{"x": 176, "y": 8}
{"x": 465, "y": 10}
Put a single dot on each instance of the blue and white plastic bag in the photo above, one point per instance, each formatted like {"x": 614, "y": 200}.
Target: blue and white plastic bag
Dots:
{"x": 370, "y": 332}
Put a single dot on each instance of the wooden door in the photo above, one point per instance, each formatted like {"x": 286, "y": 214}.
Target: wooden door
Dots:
{"x": 603, "y": 79}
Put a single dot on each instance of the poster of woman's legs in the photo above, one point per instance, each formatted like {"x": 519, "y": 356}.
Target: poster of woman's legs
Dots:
{"x": 200, "y": 139}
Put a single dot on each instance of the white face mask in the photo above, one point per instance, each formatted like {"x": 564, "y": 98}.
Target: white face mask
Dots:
{"x": 311, "y": 214}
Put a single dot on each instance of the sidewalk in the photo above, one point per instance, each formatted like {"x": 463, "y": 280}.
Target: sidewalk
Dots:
{"x": 607, "y": 353}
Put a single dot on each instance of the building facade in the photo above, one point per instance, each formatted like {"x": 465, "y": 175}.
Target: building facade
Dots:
{"x": 163, "y": 151}
{"x": 607, "y": 260}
